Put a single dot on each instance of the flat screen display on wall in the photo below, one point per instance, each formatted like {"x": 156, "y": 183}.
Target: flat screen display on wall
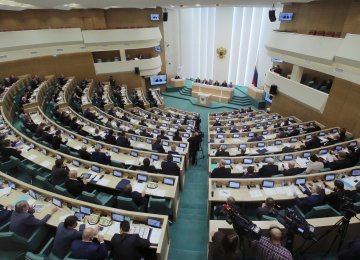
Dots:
{"x": 155, "y": 17}
{"x": 286, "y": 16}
{"x": 157, "y": 80}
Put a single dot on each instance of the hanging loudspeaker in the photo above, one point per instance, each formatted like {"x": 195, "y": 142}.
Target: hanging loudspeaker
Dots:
{"x": 165, "y": 16}
{"x": 272, "y": 16}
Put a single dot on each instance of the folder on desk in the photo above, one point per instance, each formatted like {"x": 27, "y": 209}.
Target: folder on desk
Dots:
{"x": 261, "y": 151}
{"x": 122, "y": 184}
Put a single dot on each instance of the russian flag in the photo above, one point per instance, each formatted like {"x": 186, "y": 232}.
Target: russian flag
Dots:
{"x": 255, "y": 77}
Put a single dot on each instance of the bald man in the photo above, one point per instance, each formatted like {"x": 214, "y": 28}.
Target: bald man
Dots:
{"x": 270, "y": 248}
{"x": 87, "y": 249}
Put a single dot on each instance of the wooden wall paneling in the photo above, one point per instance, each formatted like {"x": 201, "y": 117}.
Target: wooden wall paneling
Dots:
{"x": 352, "y": 22}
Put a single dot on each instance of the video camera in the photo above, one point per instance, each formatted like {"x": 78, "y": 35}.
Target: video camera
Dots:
{"x": 347, "y": 207}
{"x": 294, "y": 223}
{"x": 242, "y": 225}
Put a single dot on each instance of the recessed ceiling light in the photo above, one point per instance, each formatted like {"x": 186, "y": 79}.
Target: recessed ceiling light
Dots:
{"x": 172, "y": 6}
{"x": 197, "y": 5}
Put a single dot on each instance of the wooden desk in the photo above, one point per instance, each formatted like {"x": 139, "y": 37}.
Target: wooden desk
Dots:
{"x": 219, "y": 94}
{"x": 177, "y": 82}
{"x": 162, "y": 247}
{"x": 255, "y": 92}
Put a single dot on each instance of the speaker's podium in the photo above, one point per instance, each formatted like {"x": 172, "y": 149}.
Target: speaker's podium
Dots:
{"x": 204, "y": 99}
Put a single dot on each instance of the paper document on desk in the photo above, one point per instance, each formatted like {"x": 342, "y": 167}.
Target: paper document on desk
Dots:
{"x": 45, "y": 163}
{"x": 224, "y": 193}
{"x": 156, "y": 192}
{"x": 269, "y": 191}
{"x": 140, "y": 145}
{"x": 280, "y": 190}
{"x": 129, "y": 162}
{"x": 139, "y": 187}
{"x": 273, "y": 149}
{"x": 239, "y": 168}
{"x": 5, "y": 191}
{"x": 287, "y": 144}
{"x": 296, "y": 190}
{"x": 155, "y": 236}
{"x": 271, "y": 136}
{"x": 289, "y": 191}
{"x": 62, "y": 218}
{"x": 103, "y": 182}
{"x": 78, "y": 147}
{"x": 255, "y": 193}
{"x": 32, "y": 157}
{"x": 113, "y": 229}
{"x": 349, "y": 181}
{"x": 323, "y": 139}
{"x": 302, "y": 162}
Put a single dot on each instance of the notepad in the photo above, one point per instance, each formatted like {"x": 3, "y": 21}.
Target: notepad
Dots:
{"x": 269, "y": 191}
{"x": 156, "y": 192}
{"x": 224, "y": 193}
{"x": 139, "y": 187}
{"x": 5, "y": 191}
{"x": 302, "y": 162}
{"x": 155, "y": 236}
{"x": 113, "y": 229}
{"x": 103, "y": 182}
{"x": 45, "y": 163}
{"x": 280, "y": 190}
{"x": 140, "y": 145}
{"x": 32, "y": 157}
{"x": 129, "y": 162}
{"x": 255, "y": 193}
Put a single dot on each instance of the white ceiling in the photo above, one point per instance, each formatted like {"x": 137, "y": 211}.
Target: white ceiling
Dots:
{"x": 107, "y": 4}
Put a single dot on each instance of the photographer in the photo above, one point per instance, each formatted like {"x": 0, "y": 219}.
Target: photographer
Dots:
{"x": 219, "y": 210}
{"x": 270, "y": 248}
{"x": 335, "y": 198}
{"x": 226, "y": 246}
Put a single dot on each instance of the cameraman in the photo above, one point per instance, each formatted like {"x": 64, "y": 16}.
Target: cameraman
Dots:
{"x": 226, "y": 246}
{"x": 266, "y": 208}
{"x": 270, "y": 248}
{"x": 219, "y": 210}
{"x": 335, "y": 198}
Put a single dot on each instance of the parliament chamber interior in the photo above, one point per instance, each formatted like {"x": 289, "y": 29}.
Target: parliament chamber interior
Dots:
{"x": 179, "y": 130}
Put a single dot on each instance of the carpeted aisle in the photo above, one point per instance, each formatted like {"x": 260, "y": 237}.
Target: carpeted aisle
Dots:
{"x": 189, "y": 234}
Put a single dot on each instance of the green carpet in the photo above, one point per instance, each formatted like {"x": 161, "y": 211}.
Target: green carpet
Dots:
{"x": 189, "y": 234}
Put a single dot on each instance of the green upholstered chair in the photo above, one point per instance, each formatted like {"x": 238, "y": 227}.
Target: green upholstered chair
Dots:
{"x": 44, "y": 183}
{"x": 128, "y": 204}
{"x": 45, "y": 253}
{"x": 318, "y": 212}
{"x": 62, "y": 191}
{"x": 160, "y": 206}
{"x": 12, "y": 245}
{"x": 100, "y": 198}
{"x": 267, "y": 218}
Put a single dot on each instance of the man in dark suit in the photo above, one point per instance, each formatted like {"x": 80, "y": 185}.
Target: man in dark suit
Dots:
{"x": 143, "y": 132}
{"x": 89, "y": 115}
{"x": 5, "y": 214}
{"x": 146, "y": 167}
{"x": 292, "y": 169}
{"x": 6, "y": 150}
{"x": 156, "y": 146}
{"x": 128, "y": 246}
{"x": 74, "y": 185}
{"x": 288, "y": 149}
{"x": 194, "y": 146}
{"x": 22, "y": 221}
{"x": 354, "y": 155}
{"x": 269, "y": 169}
{"x": 110, "y": 138}
{"x": 65, "y": 235}
{"x": 59, "y": 173}
{"x": 314, "y": 143}
{"x": 316, "y": 197}
{"x": 169, "y": 167}
{"x": 84, "y": 154}
{"x": 100, "y": 157}
{"x": 222, "y": 152}
{"x": 341, "y": 163}
{"x": 221, "y": 171}
{"x": 335, "y": 198}
{"x": 266, "y": 208}
{"x": 162, "y": 135}
{"x": 220, "y": 211}
{"x": 217, "y": 123}
{"x": 250, "y": 173}
{"x": 122, "y": 141}
{"x": 137, "y": 197}
{"x": 57, "y": 140}
{"x": 87, "y": 249}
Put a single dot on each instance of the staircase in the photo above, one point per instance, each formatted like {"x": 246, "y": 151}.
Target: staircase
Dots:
{"x": 185, "y": 91}
{"x": 240, "y": 101}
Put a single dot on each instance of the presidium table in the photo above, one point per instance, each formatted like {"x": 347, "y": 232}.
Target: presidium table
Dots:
{"x": 207, "y": 93}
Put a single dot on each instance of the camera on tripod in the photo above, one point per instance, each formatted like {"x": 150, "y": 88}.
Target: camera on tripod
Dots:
{"x": 294, "y": 223}
{"x": 347, "y": 207}
{"x": 242, "y": 225}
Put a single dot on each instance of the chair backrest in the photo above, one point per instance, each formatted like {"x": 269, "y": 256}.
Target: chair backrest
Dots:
{"x": 158, "y": 206}
{"x": 89, "y": 197}
{"x": 126, "y": 203}
{"x": 322, "y": 212}
{"x": 9, "y": 241}
{"x": 44, "y": 183}
{"x": 62, "y": 191}
{"x": 64, "y": 149}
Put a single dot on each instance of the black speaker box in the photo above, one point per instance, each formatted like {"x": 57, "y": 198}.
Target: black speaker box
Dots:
{"x": 165, "y": 16}
{"x": 272, "y": 16}
{"x": 137, "y": 71}
{"x": 273, "y": 89}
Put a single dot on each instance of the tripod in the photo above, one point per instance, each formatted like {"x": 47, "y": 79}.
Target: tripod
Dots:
{"x": 341, "y": 226}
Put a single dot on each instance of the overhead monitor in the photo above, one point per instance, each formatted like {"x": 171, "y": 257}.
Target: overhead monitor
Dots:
{"x": 158, "y": 80}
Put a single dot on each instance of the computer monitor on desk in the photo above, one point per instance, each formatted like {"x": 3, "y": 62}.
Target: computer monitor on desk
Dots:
{"x": 248, "y": 161}
{"x": 267, "y": 184}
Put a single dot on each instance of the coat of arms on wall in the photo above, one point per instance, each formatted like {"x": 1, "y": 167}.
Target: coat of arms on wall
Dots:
{"x": 221, "y": 52}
